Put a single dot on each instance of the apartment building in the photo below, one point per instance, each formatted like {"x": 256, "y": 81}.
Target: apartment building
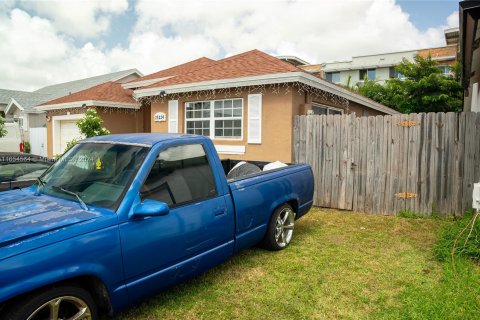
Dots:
{"x": 381, "y": 67}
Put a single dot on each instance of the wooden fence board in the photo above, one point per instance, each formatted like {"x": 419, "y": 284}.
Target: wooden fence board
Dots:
{"x": 357, "y": 164}
{"x": 460, "y": 145}
{"x": 366, "y": 164}
{"x": 328, "y": 172}
{"x": 387, "y": 154}
{"x": 423, "y": 165}
{"x": 413, "y": 146}
{"x": 469, "y": 161}
{"x": 351, "y": 155}
{"x": 379, "y": 177}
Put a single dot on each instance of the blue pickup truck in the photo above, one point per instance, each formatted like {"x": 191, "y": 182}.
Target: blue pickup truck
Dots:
{"x": 119, "y": 218}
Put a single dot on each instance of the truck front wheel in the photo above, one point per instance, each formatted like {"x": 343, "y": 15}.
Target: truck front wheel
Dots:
{"x": 66, "y": 302}
{"x": 280, "y": 229}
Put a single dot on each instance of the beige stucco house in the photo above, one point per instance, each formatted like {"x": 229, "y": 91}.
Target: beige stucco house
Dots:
{"x": 245, "y": 103}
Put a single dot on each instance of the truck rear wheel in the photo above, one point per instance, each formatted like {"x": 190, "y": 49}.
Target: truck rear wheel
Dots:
{"x": 280, "y": 229}
{"x": 66, "y": 302}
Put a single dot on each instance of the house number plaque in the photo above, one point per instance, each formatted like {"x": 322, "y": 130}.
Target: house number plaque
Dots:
{"x": 159, "y": 117}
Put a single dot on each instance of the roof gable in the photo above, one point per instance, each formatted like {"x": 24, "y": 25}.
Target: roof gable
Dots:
{"x": 109, "y": 91}
{"x": 247, "y": 64}
{"x": 64, "y": 89}
{"x": 177, "y": 70}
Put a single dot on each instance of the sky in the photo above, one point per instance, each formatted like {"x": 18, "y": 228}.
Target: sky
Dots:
{"x": 43, "y": 42}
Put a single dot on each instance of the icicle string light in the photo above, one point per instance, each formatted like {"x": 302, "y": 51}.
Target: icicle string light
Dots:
{"x": 239, "y": 91}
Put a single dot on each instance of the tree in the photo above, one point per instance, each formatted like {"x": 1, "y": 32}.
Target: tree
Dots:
{"x": 3, "y": 130}
{"x": 90, "y": 126}
{"x": 424, "y": 88}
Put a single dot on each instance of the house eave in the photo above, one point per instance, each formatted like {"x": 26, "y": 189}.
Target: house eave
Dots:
{"x": 134, "y": 71}
{"x": 89, "y": 103}
{"x": 142, "y": 83}
{"x": 302, "y": 77}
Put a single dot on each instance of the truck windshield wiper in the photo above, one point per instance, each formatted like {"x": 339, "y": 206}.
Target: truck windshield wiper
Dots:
{"x": 41, "y": 183}
{"x": 76, "y": 194}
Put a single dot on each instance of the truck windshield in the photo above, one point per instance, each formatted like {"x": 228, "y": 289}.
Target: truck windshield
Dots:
{"x": 95, "y": 173}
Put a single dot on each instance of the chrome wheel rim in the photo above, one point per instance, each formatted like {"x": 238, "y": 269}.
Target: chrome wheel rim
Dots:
{"x": 62, "y": 308}
{"x": 284, "y": 227}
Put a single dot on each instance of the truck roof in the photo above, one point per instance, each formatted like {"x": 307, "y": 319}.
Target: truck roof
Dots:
{"x": 148, "y": 139}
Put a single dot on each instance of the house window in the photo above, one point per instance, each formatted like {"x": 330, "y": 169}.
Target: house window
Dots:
{"x": 368, "y": 74}
{"x": 395, "y": 74}
{"x": 198, "y": 118}
{"x": 216, "y": 119}
{"x": 333, "y": 76}
{"x": 446, "y": 70}
{"x": 320, "y": 109}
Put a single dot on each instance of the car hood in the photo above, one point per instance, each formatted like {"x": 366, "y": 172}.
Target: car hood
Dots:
{"x": 24, "y": 215}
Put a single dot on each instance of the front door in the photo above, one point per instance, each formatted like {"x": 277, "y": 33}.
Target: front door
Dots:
{"x": 196, "y": 234}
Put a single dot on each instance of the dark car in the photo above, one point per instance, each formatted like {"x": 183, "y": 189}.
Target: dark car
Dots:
{"x": 18, "y": 170}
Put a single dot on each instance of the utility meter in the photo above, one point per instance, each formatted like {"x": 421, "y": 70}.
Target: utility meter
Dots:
{"x": 476, "y": 196}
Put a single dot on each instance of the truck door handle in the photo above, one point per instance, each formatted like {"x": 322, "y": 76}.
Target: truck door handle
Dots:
{"x": 219, "y": 212}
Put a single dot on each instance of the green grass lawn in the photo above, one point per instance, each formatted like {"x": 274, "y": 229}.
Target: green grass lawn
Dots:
{"x": 340, "y": 265}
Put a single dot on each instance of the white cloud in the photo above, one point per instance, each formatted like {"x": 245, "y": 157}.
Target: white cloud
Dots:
{"x": 453, "y": 20}
{"x": 315, "y": 30}
{"x": 82, "y": 18}
{"x": 38, "y": 51}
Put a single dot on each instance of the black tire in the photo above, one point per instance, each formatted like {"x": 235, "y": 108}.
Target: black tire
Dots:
{"x": 271, "y": 240}
{"x": 73, "y": 297}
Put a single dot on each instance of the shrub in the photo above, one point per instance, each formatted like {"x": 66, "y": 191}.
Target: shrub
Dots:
{"x": 3, "y": 130}
{"x": 26, "y": 147}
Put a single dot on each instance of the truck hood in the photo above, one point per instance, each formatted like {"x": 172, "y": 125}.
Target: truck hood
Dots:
{"x": 24, "y": 215}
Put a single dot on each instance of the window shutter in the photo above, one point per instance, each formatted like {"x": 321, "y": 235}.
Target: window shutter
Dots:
{"x": 254, "y": 118}
{"x": 173, "y": 116}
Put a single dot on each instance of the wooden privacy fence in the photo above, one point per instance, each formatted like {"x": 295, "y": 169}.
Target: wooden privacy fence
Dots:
{"x": 424, "y": 163}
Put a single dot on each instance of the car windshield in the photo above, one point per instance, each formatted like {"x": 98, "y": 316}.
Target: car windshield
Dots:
{"x": 93, "y": 173}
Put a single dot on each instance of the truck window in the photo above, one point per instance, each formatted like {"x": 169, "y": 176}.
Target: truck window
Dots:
{"x": 180, "y": 175}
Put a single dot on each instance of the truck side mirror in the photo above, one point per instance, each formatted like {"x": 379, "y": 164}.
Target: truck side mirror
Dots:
{"x": 150, "y": 208}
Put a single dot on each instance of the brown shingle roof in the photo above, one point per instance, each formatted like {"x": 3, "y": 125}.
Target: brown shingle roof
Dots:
{"x": 247, "y": 64}
{"x": 177, "y": 70}
{"x": 108, "y": 91}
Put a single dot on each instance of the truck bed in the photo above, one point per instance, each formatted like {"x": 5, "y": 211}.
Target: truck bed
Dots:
{"x": 255, "y": 197}
{"x": 228, "y": 164}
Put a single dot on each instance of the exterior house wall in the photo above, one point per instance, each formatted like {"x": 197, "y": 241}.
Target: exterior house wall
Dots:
{"x": 353, "y": 107}
{"x": 382, "y": 74}
{"x": 36, "y": 120}
{"x": 441, "y": 53}
{"x": 115, "y": 120}
{"x": 277, "y": 126}
{"x": 278, "y": 111}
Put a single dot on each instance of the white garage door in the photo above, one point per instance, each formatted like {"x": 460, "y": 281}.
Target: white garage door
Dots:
{"x": 68, "y": 132}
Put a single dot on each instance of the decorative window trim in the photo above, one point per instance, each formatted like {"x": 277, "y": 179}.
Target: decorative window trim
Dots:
{"x": 212, "y": 119}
